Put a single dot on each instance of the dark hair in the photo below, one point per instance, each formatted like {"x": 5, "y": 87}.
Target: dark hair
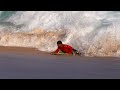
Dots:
{"x": 59, "y": 42}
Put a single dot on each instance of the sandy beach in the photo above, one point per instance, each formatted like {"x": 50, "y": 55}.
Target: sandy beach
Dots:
{"x": 29, "y": 63}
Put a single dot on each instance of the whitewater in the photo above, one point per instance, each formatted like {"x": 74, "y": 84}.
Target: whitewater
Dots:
{"x": 94, "y": 33}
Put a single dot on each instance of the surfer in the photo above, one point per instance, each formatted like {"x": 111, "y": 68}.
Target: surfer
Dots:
{"x": 65, "y": 49}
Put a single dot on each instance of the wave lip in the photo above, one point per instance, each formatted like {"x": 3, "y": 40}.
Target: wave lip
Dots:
{"x": 94, "y": 33}
{"x": 42, "y": 40}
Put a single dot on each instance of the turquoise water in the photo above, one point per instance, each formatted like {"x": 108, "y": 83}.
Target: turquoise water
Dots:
{"x": 69, "y": 20}
{"x": 92, "y": 32}
{"x": 6, "y": 14}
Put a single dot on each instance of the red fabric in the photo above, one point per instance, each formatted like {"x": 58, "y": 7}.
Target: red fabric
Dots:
{"x": 65, "y": 48}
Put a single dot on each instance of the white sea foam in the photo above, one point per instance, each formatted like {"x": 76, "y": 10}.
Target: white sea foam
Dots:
{"x": 95, "y": 33}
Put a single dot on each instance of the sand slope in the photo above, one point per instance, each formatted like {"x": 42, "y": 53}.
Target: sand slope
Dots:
{"x": 28, "y": 63}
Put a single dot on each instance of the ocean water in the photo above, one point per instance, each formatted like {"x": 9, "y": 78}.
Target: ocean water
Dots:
{"x": 94, "y": 33}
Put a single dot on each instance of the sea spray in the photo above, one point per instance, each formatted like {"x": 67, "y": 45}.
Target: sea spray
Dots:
{"x": 94, "y": 33}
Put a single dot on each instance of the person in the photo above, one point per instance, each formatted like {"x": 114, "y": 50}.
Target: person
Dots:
{"x": 64, "y": 48}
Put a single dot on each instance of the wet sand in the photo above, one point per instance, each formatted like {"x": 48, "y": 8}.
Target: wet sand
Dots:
{"x": 29, "y": 63}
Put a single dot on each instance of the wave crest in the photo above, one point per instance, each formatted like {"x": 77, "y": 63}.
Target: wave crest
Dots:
{"x": 45, "y": 41}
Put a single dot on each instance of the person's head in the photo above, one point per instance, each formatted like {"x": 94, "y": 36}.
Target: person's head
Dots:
{"x": 59, "y": 43}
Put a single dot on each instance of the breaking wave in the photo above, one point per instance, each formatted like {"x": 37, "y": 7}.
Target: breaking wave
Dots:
{"x": 94, "y": 33}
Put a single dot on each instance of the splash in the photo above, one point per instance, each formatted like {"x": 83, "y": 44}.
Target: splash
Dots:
{"x": 94, "y": 33}
{"x": 37, "y": 38}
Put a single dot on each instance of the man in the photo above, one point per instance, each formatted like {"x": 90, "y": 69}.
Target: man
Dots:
{"x": 66, "y": 49}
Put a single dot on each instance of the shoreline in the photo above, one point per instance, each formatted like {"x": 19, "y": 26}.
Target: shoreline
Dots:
{"x": 30, "y": 63}
{"x": 21, "y": 50}
{"x": 35, "y": 51}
